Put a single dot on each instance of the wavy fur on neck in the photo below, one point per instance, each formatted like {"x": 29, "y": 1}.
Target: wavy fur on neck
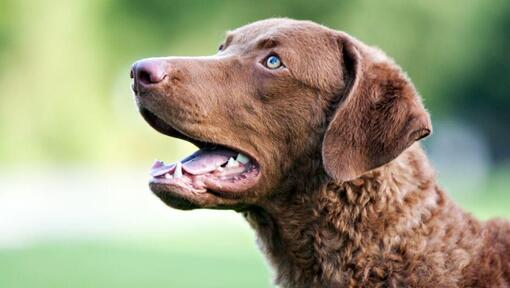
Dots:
{"x": 392, "y": 227}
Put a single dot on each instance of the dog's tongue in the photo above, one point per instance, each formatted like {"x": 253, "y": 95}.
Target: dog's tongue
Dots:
{"x": 160, "y": 168}
{"x": 201, "y": 162}
{"x": 206, "y": 160}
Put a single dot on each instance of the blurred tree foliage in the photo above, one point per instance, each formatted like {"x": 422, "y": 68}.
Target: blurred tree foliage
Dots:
{"x": 5, "y": 20}
{"x": 65, "y": 95}
{"x": 482, "y": 97}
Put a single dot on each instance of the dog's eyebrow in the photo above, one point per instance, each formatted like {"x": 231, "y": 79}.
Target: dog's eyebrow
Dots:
{"x": 267, "y": 43}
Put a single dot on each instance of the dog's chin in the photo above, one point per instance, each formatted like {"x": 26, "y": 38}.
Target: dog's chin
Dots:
{"x": 215, "y": 176}
{"x": 183, "y": 199}
{"x": 174, "y": 198}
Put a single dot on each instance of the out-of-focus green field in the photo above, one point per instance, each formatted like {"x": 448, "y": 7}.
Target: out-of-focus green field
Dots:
{"x": 491, "y": 199}
{"x": 139, "y": 264}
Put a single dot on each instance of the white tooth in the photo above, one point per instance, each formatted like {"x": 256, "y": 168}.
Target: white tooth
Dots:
{"x": 232, "y": 163}
{"x": 168, "y": 176}
{"x": 178, "y": 170}
{"x": 242, "y": 158}
{"x": 219, "y": 169}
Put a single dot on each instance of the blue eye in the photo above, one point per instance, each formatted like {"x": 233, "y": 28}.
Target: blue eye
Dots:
{"x": 273, "y": 62}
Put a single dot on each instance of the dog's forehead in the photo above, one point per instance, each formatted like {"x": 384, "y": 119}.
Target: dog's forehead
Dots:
{"x": 297, "y": 43}
{"x": 278, "y": 29}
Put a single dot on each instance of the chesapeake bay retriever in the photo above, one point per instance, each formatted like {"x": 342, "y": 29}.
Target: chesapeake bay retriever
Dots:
{"x": 312, "y": 136}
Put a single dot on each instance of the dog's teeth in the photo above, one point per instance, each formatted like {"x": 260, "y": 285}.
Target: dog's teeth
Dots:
{"x": 168, "y": 176}
{"x": 178, "y": 170}
{"x": 232, "y": 163}
{"x": 242, "y": 158}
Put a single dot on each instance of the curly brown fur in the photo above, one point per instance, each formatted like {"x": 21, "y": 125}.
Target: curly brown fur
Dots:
{"x": 391, "y": 227}
{"x": 346, "y": 197}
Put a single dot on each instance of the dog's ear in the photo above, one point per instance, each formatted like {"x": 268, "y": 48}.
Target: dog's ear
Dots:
{"x": 379, "y": 114}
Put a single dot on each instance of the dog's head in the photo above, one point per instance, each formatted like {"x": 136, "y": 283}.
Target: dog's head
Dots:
{"x": 279, "y": 99}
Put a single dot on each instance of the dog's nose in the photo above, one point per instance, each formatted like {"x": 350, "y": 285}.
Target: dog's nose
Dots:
{"x": 148, "y": 72}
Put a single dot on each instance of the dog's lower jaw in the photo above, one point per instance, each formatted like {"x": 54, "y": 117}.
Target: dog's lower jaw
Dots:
{"x": 392, "y": 227}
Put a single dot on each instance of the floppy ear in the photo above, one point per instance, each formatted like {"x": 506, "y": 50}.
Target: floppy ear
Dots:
{"x": 379, "y": 116}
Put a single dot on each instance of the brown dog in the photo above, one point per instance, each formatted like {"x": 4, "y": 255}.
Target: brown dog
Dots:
{"x": 312, "y": 136}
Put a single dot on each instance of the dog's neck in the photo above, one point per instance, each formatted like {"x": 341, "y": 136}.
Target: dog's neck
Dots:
{"x": 319, "y": 226}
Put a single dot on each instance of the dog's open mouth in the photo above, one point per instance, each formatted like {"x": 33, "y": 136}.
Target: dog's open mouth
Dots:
{"x": 213, "y": 169}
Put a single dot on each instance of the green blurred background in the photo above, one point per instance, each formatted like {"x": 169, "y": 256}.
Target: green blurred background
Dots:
{"x": 75, "y": 210}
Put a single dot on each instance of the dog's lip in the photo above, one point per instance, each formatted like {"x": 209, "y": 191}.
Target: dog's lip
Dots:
{"x": 167, "y": 129}
{"x": 210, "y": 188}
{"x": 164, "y": 128}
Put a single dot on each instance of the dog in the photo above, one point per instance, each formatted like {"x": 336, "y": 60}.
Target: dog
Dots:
{"x": 314, "y": 137}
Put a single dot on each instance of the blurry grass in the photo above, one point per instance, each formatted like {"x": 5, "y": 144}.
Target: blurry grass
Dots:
{"x": 491, "y": 200}
{"x": 111, "y": 264}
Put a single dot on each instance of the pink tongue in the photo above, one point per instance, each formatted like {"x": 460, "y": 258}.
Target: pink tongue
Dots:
{"x": 159, "y": 168}
{"x": 206, "y": 161}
